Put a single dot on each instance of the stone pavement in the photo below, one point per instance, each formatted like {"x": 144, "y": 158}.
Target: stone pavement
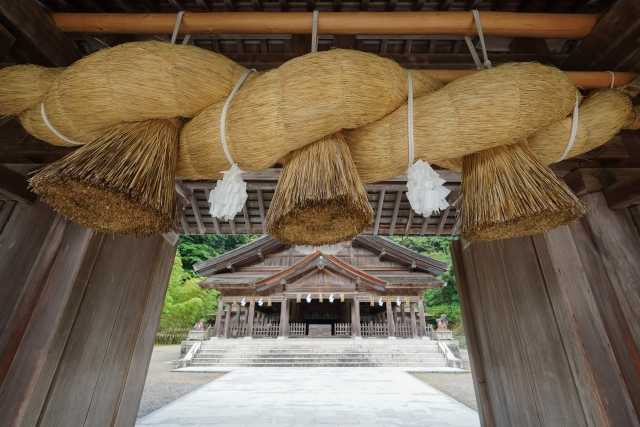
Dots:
{"x": 314, "y": 397}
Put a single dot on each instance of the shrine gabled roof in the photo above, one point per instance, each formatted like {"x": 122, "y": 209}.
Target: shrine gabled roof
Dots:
{"x": 244, "y": 255}
{"x": 255, "y": 252}
{"x": 318, "y": 261}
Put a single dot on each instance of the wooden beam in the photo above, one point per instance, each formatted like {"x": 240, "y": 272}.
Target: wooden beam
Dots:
{"x": 394, "y": 216}
{"x": 247, "y": 223}
{"x": 408, "y": 226}
{"x": 443, "y": 221}
{"x": 376, "y": 226}
{"x": 624, "y": 194}
{"x": 261, "y": 210}
{"x": 15, "y": 186}
{"x": 612, "y": 40}
{"x": 196, "y": 214}
{"x": 37, "y": 38}
{"x": 425, "y": 225}
{"x": 504, "y": 24}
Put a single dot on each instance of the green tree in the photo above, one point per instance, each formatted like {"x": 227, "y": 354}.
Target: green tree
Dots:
{"x": 186, "y": 302}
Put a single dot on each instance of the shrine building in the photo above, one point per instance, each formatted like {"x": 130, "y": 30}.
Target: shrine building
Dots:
{"x": 369, "y": 286}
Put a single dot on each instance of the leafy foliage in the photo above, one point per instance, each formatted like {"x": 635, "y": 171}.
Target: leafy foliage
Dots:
{"x": 185, "y": 302}
{"x": 193, "y": 249}
{"x": 444, "y": 300}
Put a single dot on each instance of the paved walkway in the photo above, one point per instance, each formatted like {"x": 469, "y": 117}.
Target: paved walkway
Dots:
{"x": 314, "y": 397}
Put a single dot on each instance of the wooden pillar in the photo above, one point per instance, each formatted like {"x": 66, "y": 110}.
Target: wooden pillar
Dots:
{"x": 250, "y": 317}
{"x": 355, "y": 317}
{"x": 82, "y": 312}
{"x": 284, "y": 318}
{"x": 390, "y": 323}
{"x": 219, "y": 322}
{"x": 422, "y": 324}
{"x": 414, "y": 329}
{"x": 227, "y": 320}
{"x": 563, "y": 304}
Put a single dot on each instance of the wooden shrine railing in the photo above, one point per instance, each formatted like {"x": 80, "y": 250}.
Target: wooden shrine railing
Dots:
{"x": 297, "y": 329}
{"x": 342, "y": 329}
{"x": 266, "y": 329}
{"x": 238, "y": 330}
{"x": 374, "y": 329}
{"x": 403, "y": 330}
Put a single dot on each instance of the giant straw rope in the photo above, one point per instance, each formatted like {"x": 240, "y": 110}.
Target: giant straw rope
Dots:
{"x": 305, "y": 100}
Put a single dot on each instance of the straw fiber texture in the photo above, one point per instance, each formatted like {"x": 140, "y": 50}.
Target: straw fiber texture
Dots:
{"x": 128, "y": 83}
{"x": 319, "y": 198}
{"x": 23, "y": 86}
{"x": 493, "y": 107}
{"x": 507, "y": 192}
{"x": 303, "y": 100}
{"x": 601, "y": 116}
{"x": 121, "y": 183}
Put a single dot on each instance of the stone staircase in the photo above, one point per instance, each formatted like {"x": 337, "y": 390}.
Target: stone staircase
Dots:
{"x": 319, "y": 352}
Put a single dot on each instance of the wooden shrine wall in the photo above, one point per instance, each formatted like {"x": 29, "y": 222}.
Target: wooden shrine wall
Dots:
{"x": 553, "y": 322}
{"x": 78, "y": 319}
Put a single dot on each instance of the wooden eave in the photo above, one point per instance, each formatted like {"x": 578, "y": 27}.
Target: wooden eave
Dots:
{"x": 318, "y": 261}
{"x": 407, "y": 257}
{"x": 244, "y": 255}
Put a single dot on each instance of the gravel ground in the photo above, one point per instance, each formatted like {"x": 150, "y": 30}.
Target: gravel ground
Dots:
{"x": 457, "y": 385}
{"x": 163, "y": 386}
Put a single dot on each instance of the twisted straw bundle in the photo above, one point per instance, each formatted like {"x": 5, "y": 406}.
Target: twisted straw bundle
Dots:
{"x": 24, "y": 86}
{"x": 300, "y": 102}
{"x": 319, "y": 198}
{"x": 128, "y": 83}
{"x": 123, "y": 182}
{"x": 483, "y": 110}
{"x": 601, "y": 116}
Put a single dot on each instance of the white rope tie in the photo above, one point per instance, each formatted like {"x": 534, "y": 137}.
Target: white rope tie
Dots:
{"x": 46, "y": 121}
{"x": 410, "y": 118}
{"x": 575, "y": 117}
{"x": 483, "y": 46}
{"x": 223, "y": 115}
{"x": 425, "y": 188}
{"x": 230, "y": 194}
{"x": 314, "y": 30}
{"x": 176, "y": 29}
{"x": 613, "y": 80}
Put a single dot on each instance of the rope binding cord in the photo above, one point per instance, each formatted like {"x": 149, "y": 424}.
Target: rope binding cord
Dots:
{"x": 472, "y": 49}
{"x": 574, "y": 128}
{"x": 176, "y": 29}
{"x": 425, "y": 188}
{"x": 55, "y": 131}
{"x": 314, "y": 30}
{"x": 230, "y": 194}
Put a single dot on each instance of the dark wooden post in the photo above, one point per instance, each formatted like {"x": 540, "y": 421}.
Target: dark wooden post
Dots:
{"x": 422, "y": 325}
{"x": 561, "y": 303}
{"x": 284, "y": 318}
{"x": 355, "y": 318}
{"x": 227, "y": 320}
{"x": 414, "y": 331}
{"x": 77, "y": 340}
{"x": 250, "y": 317}
{"x": 219, "y": 322}
{"x": 390, "y": 323}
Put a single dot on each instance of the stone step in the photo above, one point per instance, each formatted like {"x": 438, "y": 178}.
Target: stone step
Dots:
{"x": 267, "y": 359}
{"x": 322, "y": 364}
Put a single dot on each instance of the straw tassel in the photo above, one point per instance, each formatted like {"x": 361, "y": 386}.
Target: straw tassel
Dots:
{"x": 229, "y": 196}
{"x": 425, "y": 189}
